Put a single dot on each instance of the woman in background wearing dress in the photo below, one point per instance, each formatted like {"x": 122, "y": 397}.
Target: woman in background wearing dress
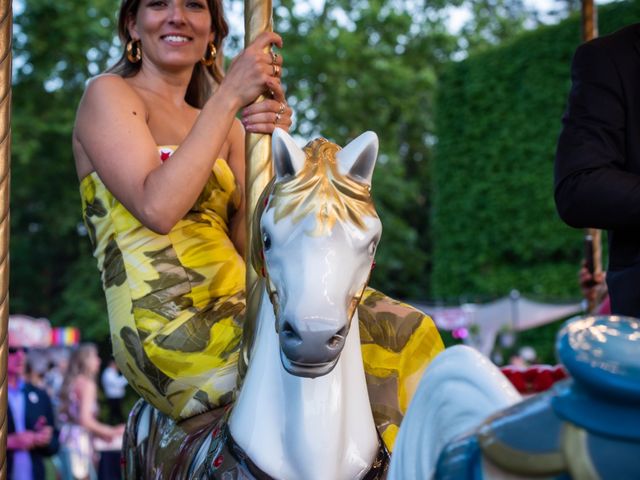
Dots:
{"x": 77, "y": 414}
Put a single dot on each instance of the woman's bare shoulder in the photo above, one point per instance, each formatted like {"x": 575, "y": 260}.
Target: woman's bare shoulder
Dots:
{"x": 108, "y": 89}
{"x": 107, "y": 81}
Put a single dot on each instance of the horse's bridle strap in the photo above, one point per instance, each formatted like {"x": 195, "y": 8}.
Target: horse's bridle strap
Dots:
{"x": 377, "y": 471}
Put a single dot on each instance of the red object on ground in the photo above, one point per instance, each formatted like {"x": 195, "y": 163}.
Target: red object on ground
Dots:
{"x": 534, "y": 379}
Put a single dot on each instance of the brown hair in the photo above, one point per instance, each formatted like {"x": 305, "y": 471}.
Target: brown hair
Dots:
{"x": 200, "y": 87}
{"x": 77, "y": 367}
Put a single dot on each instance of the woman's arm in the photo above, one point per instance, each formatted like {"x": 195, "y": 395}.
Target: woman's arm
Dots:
{"x": 236, "y": 160}
{"x": 86, "y": 391}
{"x": 111, "y": 131}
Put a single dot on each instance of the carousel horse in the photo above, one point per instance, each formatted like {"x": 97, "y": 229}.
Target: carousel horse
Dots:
{"x": 303, "y": 411}
{"x": 584, "y": 428}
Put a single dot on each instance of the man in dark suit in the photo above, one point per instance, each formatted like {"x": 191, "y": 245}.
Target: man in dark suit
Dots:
{"x": 597, "y": 169}
{"x": 31, "y": 432}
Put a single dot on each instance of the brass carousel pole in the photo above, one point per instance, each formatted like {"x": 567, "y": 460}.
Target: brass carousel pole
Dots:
{"x": 589, "y": 20}
{"x": 257, "y": 19}
{"x": 593, "y": 236}
{"x": 5, "y": 153}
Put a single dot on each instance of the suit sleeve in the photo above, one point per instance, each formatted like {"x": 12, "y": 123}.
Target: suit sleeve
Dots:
{"x": 592, "y": 185}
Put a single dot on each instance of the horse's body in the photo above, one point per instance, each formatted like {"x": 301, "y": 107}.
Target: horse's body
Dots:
{"x": 586, "y": 428}
{"x": 459, "y": 390}
{"x": 303, "y": 411}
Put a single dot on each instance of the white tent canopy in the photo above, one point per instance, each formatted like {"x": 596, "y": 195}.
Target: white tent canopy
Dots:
{"x": 513, "y": 312}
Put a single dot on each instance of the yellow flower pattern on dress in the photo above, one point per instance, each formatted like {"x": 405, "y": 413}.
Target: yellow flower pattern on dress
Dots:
{"x": 176, "y": 308}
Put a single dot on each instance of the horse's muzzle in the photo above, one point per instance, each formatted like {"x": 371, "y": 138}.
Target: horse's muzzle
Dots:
{"x": 310, "y": 353}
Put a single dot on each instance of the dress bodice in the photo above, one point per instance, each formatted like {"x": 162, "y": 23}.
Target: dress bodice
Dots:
{"x": 121, "y": 241}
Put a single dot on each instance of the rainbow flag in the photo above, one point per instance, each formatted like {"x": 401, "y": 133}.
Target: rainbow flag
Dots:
{"x": 65, "y": 336}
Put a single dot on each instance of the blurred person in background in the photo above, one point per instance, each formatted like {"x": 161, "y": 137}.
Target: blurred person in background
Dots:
{"x": 78, "y": 415}
{"x": 113, "y": 384}
{"x": 32, "y": 435}
{"x": 58, "y": 359}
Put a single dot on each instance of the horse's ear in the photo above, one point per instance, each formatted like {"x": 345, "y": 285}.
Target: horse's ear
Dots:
{"x": 288, "y": 158}
{"x": 358, "y": 158}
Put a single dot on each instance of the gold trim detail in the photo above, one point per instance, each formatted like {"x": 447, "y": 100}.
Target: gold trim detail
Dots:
{"x": 576, "y": 451}
{"x": 517, "y": 461}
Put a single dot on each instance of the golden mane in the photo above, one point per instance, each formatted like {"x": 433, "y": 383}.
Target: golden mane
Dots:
{"x": 320, "y": 189}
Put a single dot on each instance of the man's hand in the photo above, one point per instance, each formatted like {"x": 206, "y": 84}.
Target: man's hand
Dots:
{"x": 21, "y": 440}
{"x": 42, "y": 437}
{"x": 593, "y": 286}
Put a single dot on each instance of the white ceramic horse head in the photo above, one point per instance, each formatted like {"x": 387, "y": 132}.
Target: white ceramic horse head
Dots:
{"x": 319, "y": 233}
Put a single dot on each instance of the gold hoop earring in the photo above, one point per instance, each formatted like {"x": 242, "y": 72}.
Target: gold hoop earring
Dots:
{"x": 134, "y": 51}
{"x": 208, "y": 60}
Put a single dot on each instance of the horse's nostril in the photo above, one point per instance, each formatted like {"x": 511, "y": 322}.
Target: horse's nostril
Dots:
{"x": 290, "y": 332}
{"x": 336, "y": 340}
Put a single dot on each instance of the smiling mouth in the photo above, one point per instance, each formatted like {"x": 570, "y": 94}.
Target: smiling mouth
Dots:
{"x": 176, "y": 38}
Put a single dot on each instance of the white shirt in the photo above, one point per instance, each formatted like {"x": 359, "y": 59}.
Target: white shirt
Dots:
{"x": 113, "y": 383}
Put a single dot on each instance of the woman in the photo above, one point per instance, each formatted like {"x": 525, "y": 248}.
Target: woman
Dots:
{"x": 77, "y": 414}
{"x": 160, "y": 157}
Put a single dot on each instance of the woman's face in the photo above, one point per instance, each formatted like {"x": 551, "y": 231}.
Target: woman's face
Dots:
{"x": 173, "y": 33}
{"x": 93, "y": 362}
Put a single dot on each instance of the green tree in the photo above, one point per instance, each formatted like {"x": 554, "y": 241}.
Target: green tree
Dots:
{"x": 57, "y": 47}
{"x": 353, "y": 66}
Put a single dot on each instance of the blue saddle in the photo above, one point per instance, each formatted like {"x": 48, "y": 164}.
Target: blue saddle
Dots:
{"x": 584, "y": 428}
{"x": 603, "y": 356}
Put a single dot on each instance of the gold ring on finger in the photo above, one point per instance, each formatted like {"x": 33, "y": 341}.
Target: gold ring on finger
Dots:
{"x": 278, "y": 115}
{"x": 276, "y": 70}
{"x": 282, "y": 108}
{"x": 274, "y": 57}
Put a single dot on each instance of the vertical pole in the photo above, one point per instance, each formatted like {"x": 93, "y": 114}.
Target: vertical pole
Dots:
{"x": 592, "y": 235}
{"x": 257, "y": 19}
{"x": 5, "y": 153}
{"x": 589, "y": 20}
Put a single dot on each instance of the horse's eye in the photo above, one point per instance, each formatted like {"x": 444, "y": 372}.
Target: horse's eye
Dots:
{"x": 266, "y": 241}
{"x": 372, "y": 248}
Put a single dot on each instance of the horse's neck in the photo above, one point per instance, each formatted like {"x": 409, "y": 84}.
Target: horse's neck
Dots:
{"x": 294, "y": 427}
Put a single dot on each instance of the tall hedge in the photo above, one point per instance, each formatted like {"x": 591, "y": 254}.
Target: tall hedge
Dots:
{"x": 495, "y": 227}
